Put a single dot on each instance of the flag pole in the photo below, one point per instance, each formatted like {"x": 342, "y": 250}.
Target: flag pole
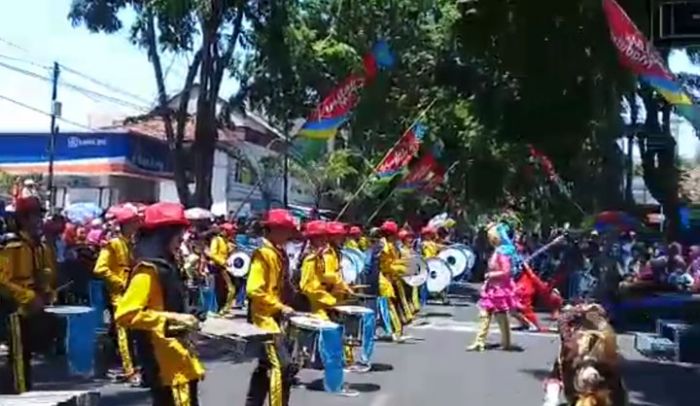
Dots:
{"x": 380, "y": 207}
{"x": 374, "y": 170}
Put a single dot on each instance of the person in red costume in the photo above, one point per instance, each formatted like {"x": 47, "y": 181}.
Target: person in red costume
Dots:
{"x": 529, "y": 287}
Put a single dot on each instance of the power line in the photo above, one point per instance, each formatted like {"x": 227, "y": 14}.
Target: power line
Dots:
{"x": 75, "y": 72}
{"x": 94, "y": 95}
{"x": 37, "y": 110}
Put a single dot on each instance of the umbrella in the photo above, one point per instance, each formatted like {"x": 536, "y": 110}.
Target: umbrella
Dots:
{"x": 197, "y": 214}
{"x": 615, "y": 220}
{"x": 81, "y": 213}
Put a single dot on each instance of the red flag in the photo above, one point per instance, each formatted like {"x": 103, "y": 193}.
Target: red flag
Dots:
{"x": 425, "y": 174}
{"x": 402, "y": 153}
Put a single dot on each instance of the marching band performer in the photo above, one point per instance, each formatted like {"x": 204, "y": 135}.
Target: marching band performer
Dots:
{"x": 218, "y": 254}
{"x": 498, "y": 296}
{"x": 312, "y": 270}
{"x": 113, "y": 266}
{"x": 26, "y": 277}
{"x": 430, "y": 247}
{"x": 333, "y": 278}
{"x": 354, "y": 236}
{"x": 406, "y": 238}
{"x": 154, "y": 307}
{"x": 268, "y": 279}
{"x": 391, "y": 266}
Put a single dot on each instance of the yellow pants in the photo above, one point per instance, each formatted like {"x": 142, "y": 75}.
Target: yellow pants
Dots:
{"x": 405, "y": 309}
{"x": 124, "y": 351}
{"x": 484, "y": 324}
{"x": 395, "y": 320}
{"x": 415, "y": 294}
{"x": 230, "y": 293}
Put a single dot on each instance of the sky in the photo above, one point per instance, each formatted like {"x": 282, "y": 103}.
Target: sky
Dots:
{"x": 35, "y": 33}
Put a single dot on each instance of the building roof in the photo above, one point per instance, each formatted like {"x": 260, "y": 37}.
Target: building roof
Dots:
{"x": 154, "y": 126}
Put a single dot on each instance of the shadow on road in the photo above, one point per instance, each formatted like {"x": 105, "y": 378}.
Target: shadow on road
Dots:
{"x": 379, "y": 367}
{"x": 317, "y": 386}
{"x": 652, "y": 383}
{"x": 437, "y": 314}
{"x": 126, "y": 397}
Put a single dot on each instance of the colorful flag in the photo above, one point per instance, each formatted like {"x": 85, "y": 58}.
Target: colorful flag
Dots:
{"x": 547, "y": 167}
{"x": 335, "y": 109}
{"x": 425, "y": 174}
{"x": 402, "y": 152}
{"x": 638, "y": 55}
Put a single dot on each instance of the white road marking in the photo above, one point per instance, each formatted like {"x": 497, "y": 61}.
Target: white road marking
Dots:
{"x": 467, "y": 327}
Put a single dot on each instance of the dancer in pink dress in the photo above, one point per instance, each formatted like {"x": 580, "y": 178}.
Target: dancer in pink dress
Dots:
{"x": 498, "y": 296}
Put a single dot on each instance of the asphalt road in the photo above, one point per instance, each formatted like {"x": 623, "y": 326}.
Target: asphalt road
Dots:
{"x": 437, "y": 371}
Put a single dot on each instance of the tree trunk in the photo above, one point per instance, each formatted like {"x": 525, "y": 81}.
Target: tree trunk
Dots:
{"x": 175, "y": 140}
{"x": 657, "y": 149}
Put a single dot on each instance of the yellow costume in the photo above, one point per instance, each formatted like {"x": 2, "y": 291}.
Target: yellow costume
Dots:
{"x": 113, "y": 266}
{"x": 391, "y": 267}
{"x": 26, "y": 272}
{"x": 265, "y": 284}
{"x": 143, "y": 308}
{"x": 312, "y": 274}
{"x": 219, "y": 253}
{"x": 429, "y": 249}
{"x": 364, "y": 243}
{"x": 352, "y": 244}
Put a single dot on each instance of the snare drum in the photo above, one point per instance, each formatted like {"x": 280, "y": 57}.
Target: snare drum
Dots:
{"x": 81, "y": 337}
{"x": 303, "y": 334}
{"x": 352, "y": 319}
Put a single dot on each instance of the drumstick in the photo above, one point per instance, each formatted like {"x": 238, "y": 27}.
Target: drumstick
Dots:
{"x": 64, "y": 286}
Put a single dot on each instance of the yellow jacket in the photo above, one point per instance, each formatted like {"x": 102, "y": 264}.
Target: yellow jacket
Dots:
{"x": 264, "y": 287}
{"x": 429, "y": 249}
{"x": 364, "y": 243}
{"x": 113, "y": 266}
{"x": 391, "y": 267}
{"x": 332, "y": 277}
{"x": 218, "y": 251}
{"x": 142, "y": 308}
{"x": 312, "y": 271}
{"x": 26, "y": 270}
{"x": 353, "y": 244}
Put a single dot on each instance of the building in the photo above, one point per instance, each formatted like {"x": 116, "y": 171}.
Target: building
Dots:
{"x": 130, "y": 161}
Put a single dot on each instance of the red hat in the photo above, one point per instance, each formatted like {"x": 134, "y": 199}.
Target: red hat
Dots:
{"x": 403, "y": 233}
{"x": 355, "y": 231}
{"x": 315, "y": 228}
{"x": 280, "y": 218}
{"x": 28, "y": 205}
{"x": 389, "y": 227}
{"x": 229, "y": 228}
{"x": 428, "y": 230}
{"x": 124, "y": 214}
{"x": 336, "y": 228}
{"x": 164, "y": 214}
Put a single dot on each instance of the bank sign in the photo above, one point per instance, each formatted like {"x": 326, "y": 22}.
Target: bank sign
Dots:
{"x": 99, "y": 151}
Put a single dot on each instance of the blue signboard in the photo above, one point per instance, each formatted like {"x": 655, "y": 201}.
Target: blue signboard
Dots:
{"x": 141, "y": 152}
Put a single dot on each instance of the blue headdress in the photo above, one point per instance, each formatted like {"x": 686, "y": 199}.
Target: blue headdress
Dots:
{"x": 508, "y": 248}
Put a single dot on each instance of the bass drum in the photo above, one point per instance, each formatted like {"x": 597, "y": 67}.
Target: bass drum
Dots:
{"x": 439, "y": 275}
{"x": 238, "y": 264}
{"x": 460, "y": 258}
{"x": 417, "y": 271}
{"x": 349, "y": 266}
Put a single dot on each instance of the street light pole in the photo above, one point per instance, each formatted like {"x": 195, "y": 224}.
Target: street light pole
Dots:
{"x": 55, "y": 113}
{"x": 285, "y": 180}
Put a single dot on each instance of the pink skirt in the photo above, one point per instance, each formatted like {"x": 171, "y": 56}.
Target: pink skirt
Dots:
{"x": 499, "y": 297}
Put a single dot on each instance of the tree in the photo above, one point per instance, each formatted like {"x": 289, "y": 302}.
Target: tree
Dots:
{"x": 216, "y": 26}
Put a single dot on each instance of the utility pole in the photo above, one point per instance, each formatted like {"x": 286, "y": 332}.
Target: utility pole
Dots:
{"x": 285, "y": 180}
{"x": 55, "y": 113}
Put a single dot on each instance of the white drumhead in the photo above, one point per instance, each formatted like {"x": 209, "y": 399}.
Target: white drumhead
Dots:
{"x": 421, "y": 267}
{"x": 348, "y": 267}
{"x": 456, "y": 258}
{"x": 353, "y": 309}
{"x": 68, "y": 309}
{"x": 312, "y": 323}
{"x": 439, "y": 275}
{"x": 238, "y": 264}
